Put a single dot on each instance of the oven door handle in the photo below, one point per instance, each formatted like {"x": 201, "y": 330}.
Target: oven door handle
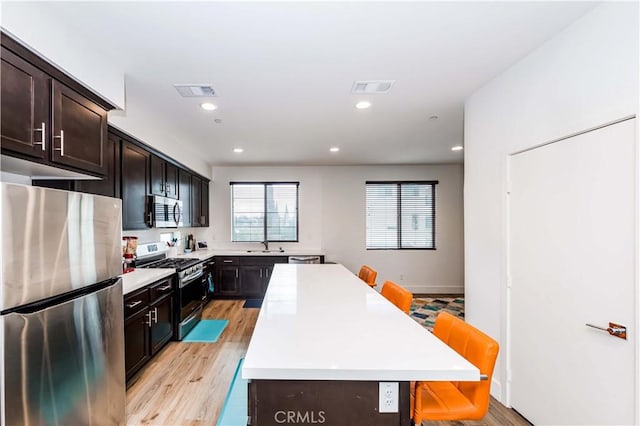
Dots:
{"x": 190, "y": 278}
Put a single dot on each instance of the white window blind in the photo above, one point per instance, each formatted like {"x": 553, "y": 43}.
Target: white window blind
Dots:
{"x": 264, "y": 211}
{"x": 401, "y": 215}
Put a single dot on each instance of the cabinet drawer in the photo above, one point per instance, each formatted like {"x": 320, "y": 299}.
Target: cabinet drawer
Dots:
{"x": 135, "y": 302}
{"x": 160, "y": 289}
{"x": 226, "y": 260}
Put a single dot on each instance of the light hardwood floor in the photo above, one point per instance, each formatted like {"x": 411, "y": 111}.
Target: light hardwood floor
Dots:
{"x": 187, "y": 383}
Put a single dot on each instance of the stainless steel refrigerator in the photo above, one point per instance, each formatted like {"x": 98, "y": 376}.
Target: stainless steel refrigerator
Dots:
{"x": 61, "y": 312}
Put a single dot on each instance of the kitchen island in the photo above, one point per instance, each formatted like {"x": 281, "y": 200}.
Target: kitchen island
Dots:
{"x": 329, "y": 349}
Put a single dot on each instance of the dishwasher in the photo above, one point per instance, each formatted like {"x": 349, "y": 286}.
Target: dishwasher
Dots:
{"x": 304, "y": 259}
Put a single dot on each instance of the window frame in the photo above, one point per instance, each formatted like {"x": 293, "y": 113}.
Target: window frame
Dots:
{"x": 264, "y": 209}
{"x": 399, "y": 184}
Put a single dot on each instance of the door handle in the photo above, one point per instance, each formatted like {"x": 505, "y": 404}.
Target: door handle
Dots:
{"x": 61, "y": 149}
{"x": 42, "y": 129}
{"x": 614, "y": 329}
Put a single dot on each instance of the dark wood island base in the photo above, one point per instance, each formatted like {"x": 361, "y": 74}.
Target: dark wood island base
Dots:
{"x": 330, "y": 402}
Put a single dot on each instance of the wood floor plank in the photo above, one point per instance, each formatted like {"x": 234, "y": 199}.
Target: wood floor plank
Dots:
{"x": 187, "y": 383}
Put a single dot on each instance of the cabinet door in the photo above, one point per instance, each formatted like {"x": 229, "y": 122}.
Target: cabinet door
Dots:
{"x": 171, "y": 179}
{"x": 135, "y": 181}
{"x": 184, "y": 193}
{"x": 196, "y": 200}
{"x": 158, "y": 183}
{"x": 110, "y": 184}
{"x": 251, "y": 281}
{"x": 162, "y": 322}
{"x": 25, "y": 100}
{"x": 204, "y": 203}
{"x": 228, "y": 281}
{"x": 79, "y": 131}
{"x": 136, "y": 342}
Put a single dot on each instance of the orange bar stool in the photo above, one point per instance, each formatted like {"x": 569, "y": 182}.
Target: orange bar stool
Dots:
{"x": 457, "y": 400}
{"x": 397, "y": 295}
{"x": 368, "y": 275}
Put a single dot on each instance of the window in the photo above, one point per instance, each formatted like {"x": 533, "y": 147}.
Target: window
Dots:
{"x": 252, "y": 202}
{"x": 401, "y": 215}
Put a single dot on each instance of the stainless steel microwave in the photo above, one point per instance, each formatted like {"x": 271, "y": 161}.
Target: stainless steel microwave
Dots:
{"x": 166, "y": 212}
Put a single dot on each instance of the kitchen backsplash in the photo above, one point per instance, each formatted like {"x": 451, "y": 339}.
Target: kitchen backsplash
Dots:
{"x": 153, "y": 235}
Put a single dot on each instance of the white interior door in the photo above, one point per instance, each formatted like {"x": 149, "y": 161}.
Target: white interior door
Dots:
{"x": 572, "y": 261}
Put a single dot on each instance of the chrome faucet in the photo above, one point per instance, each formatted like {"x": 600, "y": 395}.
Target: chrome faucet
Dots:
{"x": 266, "y": 245}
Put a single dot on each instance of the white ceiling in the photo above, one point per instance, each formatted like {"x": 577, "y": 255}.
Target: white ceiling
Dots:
{"x": 284, "y": 72}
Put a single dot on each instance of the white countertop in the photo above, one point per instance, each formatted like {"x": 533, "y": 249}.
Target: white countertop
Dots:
{"x": 139, "y": 278}
{"x": 320, "y": 322}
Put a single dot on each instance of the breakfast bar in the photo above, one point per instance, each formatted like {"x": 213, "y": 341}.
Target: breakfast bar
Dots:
{"x": 328, "y": 349}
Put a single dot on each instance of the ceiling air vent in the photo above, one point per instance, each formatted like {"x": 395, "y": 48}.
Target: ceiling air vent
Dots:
{"x": 195, "y": 90}
{"x": 372, "y": 86}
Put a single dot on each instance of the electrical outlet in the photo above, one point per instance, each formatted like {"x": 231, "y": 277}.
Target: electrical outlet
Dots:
{"x": 388, "y": 397}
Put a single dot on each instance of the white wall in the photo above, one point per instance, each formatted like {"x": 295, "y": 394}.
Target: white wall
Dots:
{"x": 45, "y": 30}
{"x": 36, "y": 25}
{"x": 585, "y": 76}
{"x": 332, "y": 219}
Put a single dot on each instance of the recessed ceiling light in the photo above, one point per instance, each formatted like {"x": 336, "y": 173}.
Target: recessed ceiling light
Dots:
{"x": 433, "y": 118}
{"x": 238, "y": 150}
{"x": 456, "y": 148}
{"x": 334, "y": 149}
{"x": 363, "y": 105}
{"x": 208, "y": 106}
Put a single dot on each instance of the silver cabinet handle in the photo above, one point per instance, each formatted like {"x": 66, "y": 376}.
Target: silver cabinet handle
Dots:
{"x": 155, "y": 315}
{"x": 148, "y": 321}
{"x": 236, "y": 272}
{"x": 43, "y": 142}
{"x": 164, "y": 287}
{"x": 227, "y": 261}
{"x": 61, "y": 149}
{"x": 150, "y": 218}
{"x": 260, "y": 272}
{"x": 134, "y": 304}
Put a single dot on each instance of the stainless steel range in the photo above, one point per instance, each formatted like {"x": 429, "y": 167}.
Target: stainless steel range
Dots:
{"x": 191, "y": 289}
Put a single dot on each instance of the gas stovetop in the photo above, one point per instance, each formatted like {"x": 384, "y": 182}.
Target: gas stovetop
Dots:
{"x": 171, "y": 262}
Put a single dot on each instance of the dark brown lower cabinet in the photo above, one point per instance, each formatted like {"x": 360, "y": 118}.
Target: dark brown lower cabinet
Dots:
{"x": 228, "y": 280}
{"x": 162, "y": 323}
{"x": 136, "y": 342}
{"x": 149, "y": 323}
{"x": 253, "y": 281}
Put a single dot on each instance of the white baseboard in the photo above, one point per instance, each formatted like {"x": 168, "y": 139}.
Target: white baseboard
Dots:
{"x": 496, "y": 390}
{"x": 434, "y": 289}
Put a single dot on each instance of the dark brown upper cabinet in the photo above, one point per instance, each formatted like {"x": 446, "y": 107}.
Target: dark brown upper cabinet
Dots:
{"x": 184, "y": 191}
{"x": 79, "y": 131}
{"x": 199, "y": 202}
{"x": 47, "y": 117}
{"x": 196, "y": 200}
{"x": 135, "y": 181}
{"x": 164, "y": 178}
{"x": 110, "y": 184}
{"x": 204, "y": 205}
{"x": 25, "y": 107}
